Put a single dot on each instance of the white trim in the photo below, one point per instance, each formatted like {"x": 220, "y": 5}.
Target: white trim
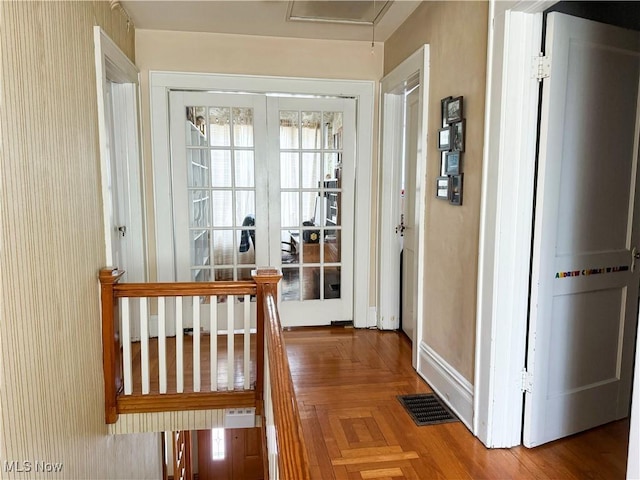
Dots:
{"x": 455, "y": 390}
{"x": 388, "y": 244}
{"x": 160, "y": 84}
{"x": 114, "y": 66}
{"x": 506, "y": 220}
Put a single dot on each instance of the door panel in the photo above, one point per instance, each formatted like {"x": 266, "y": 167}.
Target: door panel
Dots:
{"x": 313, "y": 162}
{"x": 220, "y": 226}
{"x": 584, "y": 286}
{"x": 410, "y": 238}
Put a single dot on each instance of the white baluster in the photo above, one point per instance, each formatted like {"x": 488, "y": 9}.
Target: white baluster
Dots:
{"x": 213, "y": 341}
{"x": 196, "y": 343}
{"x": 126, "y": 346}
{"x": 144, "y": 344}
{"x": 230, "y": 325}
{"x": 162, "y": 345}
{"x": 247, "y": 341}
{"x": 179, "y": 347}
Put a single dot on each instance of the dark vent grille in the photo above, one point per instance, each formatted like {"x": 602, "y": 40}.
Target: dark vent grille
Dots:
{"x": 426, "y": 409}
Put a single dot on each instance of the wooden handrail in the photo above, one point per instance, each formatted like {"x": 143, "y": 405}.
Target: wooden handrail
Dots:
{"x": 179, "y": 289}
{"x": 293, "y": 462}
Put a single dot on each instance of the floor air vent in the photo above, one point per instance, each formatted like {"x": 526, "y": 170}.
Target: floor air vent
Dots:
{"x": 426, "y": 409}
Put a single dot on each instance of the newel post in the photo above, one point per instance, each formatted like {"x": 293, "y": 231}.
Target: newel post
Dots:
{"x": 111, "y": 360}
{"x": 266, "y": 279}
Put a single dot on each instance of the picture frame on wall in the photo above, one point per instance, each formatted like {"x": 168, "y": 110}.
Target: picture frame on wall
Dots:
{"x": 443, "y": 107}
{"x": 442, "y": 188}
{"x": 444, "y": 139}
{"x": 452, "y": 163}
{"x": 454, "y": 110}
{"x": 455, "y": 189}
{"x": 457, "y": 136}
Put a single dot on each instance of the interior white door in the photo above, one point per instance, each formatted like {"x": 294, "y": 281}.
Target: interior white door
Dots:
{"x": 311, "y": 206}
{"x": 584, "y": 297}
{"x": 410, "y": 220}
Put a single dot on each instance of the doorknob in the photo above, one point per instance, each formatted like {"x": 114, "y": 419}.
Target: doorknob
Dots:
{"x": 123, "y": 230}
{"x": 635, "y": 255}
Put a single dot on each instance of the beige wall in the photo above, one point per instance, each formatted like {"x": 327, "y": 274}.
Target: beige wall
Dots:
{"x": 52, "y": 245}
{"x": 457, "y": 35}
{"x": 249, "y": 55}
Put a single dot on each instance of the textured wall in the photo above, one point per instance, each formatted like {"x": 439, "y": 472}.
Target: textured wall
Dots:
{"x": 457, "y": 35}
{"x": 52, "y": 245}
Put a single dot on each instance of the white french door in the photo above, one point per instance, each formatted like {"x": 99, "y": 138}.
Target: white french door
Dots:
{"x": 260, "y": 180}
{"x": 311, "y": 206}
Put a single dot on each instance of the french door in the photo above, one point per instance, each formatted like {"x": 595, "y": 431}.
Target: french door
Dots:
{"x": 260, "y": 180}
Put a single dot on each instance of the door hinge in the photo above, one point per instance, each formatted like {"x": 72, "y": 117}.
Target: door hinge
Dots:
{"x": 527, "y": 381}
{"x": 541, "y": 67}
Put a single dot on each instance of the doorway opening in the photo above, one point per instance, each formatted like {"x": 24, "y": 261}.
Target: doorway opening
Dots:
{"x": 402, "y": 189}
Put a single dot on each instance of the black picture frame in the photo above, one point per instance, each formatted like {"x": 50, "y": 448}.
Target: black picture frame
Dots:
{"x": 444, "y": 139}
{"x": 443, "y": 110}
{"x": 443, "y": 164}
{"x": 455, "y": 189}
{"x": 453, "y": 162}
{"x": 457, "y": 136}
{"x": 454, "y": 110}
{"x": 442, "y": 188}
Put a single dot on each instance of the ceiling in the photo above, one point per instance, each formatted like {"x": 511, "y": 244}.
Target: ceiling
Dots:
{"x": 271, "y": 18}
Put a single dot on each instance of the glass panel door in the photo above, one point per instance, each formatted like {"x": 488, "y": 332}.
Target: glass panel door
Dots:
{"x": 311, "y": 212}
{"x": 220, "y": 225}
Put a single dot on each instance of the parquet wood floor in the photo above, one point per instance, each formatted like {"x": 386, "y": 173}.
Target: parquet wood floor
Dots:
{"x": 346, "y": 383}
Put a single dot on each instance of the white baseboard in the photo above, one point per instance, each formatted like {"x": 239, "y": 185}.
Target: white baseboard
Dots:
{"x": 455, "y": 390}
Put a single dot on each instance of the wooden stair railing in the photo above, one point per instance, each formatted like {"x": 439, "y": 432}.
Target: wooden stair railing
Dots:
{"x": 116, "y": 401}
{"x": 282, "y": 418}
{"x": 274, "y": 398}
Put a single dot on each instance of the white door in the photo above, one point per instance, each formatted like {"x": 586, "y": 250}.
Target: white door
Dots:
{"x": 408, "y": 208}
{"x": 584, "y": 297}
{"x": 219, "y": 186}
{"x": 258, "y": 181}
{"x": 311, "y": 207}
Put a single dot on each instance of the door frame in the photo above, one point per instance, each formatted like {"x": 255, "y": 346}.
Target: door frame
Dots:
{"x": 114, "y": 66}
{"x": 389, "y": 206}
{"x": 161, "y": 82}
{"x": 512, "y": 96}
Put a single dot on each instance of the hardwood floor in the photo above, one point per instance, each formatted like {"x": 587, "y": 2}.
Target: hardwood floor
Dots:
{"x": 346, "y": 381}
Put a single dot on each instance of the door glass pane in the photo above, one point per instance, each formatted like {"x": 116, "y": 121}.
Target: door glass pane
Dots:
{"x": 332, "y": 122}
{"x": 221, "y": 168}
{"x": 311, "y": 130}
{"x": 290, "y": 284}
{"x": 289, "y": 246}
{"x": 289, "y": 127}
{"x": 220, "y": 126}
{"x": 223, "y": 274}
{"x": 331, "y": 165}
{"x": 332, "y": 246}
{"x": 200, "y": 275}
{"x": 331, "y": 282}
{"x": 245, "y": 239}
{"x": 197, "y": 168}
{"x": 311, "y": 283}
{"x": 200, "y": 214}
{"x": 196, "y": 126}
{"x": 242, "y": 127}
{"x": 245, "y": 169}
{"x": 245, "y": 207}
{"x": 223, "y": 247}
{"x": 332, "y": 207}
{"x": 311, "y": 169}
{"x": 311, "y": 209}
{"x": 289, "y": 209}
{"x": 289, "y": 170}
{"x": 244, "y": 274}
{"x": 222, "y": 208}
{"x": 199, "y": 247}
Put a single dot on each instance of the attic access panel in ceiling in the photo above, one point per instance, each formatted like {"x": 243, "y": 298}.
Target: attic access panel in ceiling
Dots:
{"x": 361, "y": 12}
